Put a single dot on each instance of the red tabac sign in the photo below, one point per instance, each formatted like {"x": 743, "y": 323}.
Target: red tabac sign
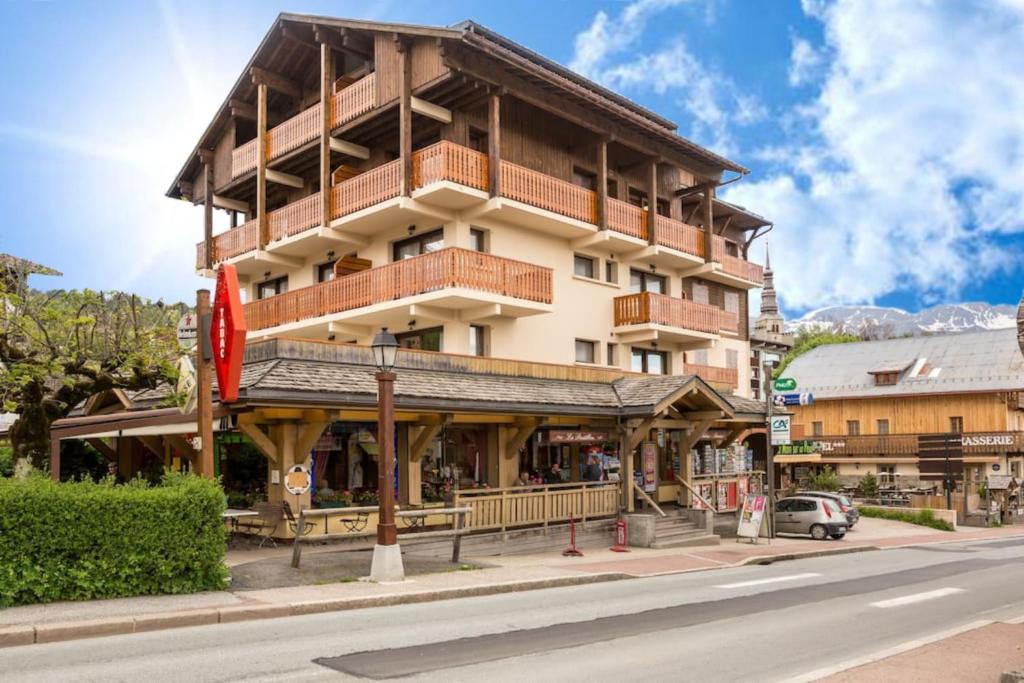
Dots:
{"x": 227, "y": 333}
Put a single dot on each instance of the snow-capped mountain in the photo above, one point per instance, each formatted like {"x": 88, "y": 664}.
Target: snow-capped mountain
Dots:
{"x": 889, "y": 322}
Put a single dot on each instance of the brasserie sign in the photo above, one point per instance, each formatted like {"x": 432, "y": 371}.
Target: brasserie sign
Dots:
{"x": 988, "y": 440}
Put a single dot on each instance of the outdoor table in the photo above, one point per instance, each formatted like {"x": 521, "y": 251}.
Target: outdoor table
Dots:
{"x": 232, "y": 515}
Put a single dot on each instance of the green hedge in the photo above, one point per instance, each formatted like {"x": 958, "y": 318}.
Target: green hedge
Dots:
{"x": 920, "y": 517}
{"x": 82, "y": 540}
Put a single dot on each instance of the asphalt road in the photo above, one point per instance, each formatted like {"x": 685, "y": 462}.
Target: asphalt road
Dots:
{"x": 789, "y": 620}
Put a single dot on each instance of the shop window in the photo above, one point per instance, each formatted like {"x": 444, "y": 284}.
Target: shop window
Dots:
{"x": 956, "y": 425}
{"x": 583, "y": 266}
{"x": 478, "y": 140}
{"x": 883, "y": 426}
{"x": 611, "y": 272}
{"x": 584, "y": 179}
{"x": 477, "y": 240}
{"x": 325, "y": 271}
{"x": 430, "y": 339}
{"x": 650, "y": 362}
{"x": 644, "y": 281}
{"x": 477, "y": 339}
{"x": 419, "y": 244}
{"x": 853, "y": 427}
{"x": 269, "y": 288}
{"x": 817, "y": 429}
{"x": 465, "y": 453}
{"x": 585, "y": 351}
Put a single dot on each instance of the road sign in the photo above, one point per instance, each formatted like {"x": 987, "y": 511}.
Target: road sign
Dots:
{"x": 780, "y": 430}
{"x": 784, "y": 384}
{"x": 187, "y": 334}
{"x": 793, "y": 399}
{"x": 227, "y": 333}
{"x": 298, "y": 480}
{"x": 187, "y": 385}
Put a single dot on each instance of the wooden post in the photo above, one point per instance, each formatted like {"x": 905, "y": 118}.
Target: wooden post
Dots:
{"x": 405, "y": 116}
{"x": 326, "y": 86}
{"x": 457, "y": 540}
{"x": 602, "y": 184}
{"x": 300, "y": 527}
{"x": 204, "y": 382}
{"x": 54, "y": 457}
{"x": 494, "y": 143}
{"x": 261, "y": 164}
{"x": 626, "y": 465}
{"x": 709, "y": 227}
{"x": 208, "y": 210}
{"x": 652, "y": 202}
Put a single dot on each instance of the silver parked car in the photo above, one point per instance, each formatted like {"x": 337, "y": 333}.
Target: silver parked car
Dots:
{"x": 846, "y": 506}
{"x": 819, "y": 517}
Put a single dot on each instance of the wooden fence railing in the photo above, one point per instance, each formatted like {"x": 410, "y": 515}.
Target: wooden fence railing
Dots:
{"x": 451, "y": 267}
{"x": 538, "y": 505}
{"x": 366, "y": 189}
{"x": 734, "y": 265}
{"x": 294, "y": 133}
{"x": 710, "y": 373}
{"x": 680, "y": 236}
{"x": 448, "y": 161}
{"x": 356, "y": 99}
{"x": 661, "y": 309}
{"x": 243, "y": 158}
{"x": 546, "y": 192}
{"x": 294, "y": 218}
{"x": 627, "y": 219}
{"x": 236, "y": 241}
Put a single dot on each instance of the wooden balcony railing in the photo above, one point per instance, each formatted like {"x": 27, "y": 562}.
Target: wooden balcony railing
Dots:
{"x": 734, "y": 265}
{"x": 627, "y": 219}
{"x": 451, "y": 267}
{"x": 243, "y": 158}
{"x": 356, "y": 99}
{"x": 244, "y": 238}
{"x": 545, "y": 192}
{"x": 730, "y": 322}
{"x": 448, "y": 161}
{"x": 661, "y": 309}
{"x": 366, "y": 189}
{"x": 680, "y": 236}
{"x": 537, "y": 505}
{"x": 294, "y": 133}
{"x": 294, "y": 218}
{"x": 711, "y": 373}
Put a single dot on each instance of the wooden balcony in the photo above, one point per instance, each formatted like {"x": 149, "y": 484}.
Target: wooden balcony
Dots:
{"x": 304, "y": 127}
{"x": 713, "y": 375}
{"x": 627, "y": 219}
{"x": 649, "y": 316}
{"x": 442, "y": 172}
{"x": 495, "y": 279}
{"x": 732, "y": 270}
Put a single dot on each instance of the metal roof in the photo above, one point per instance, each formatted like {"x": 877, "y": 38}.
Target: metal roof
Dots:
{"x": 942, "y": 364}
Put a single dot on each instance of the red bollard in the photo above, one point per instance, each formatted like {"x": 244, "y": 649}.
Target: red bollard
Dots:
{"x": 620, "y": 538}
{"x": 572, "y": 550}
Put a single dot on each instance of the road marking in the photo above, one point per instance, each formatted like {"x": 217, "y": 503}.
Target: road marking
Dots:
{"x": 917, "y": 597}
{"x": 760, "y": 582}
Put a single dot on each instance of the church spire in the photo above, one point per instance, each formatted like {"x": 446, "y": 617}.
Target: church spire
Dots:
{"x": 769, "y": 305}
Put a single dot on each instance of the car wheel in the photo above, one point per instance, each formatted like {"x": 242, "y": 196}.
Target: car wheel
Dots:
{"x": 838, "y": 537}
{"x": 819, "y": 532}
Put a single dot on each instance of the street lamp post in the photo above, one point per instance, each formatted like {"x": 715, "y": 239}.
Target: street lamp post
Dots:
{"x": 387, "y": 556}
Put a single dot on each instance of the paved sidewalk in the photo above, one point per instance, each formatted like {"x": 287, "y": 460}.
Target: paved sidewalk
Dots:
{"x": 70, "y": 620}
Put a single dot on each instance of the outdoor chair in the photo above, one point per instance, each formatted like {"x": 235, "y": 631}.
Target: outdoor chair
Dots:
{"x": 293, "y": 522}
{"x": 262, "y": 526}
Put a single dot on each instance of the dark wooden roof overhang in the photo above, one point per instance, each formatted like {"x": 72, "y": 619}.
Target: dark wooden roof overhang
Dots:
{"x": 155, "y": 417}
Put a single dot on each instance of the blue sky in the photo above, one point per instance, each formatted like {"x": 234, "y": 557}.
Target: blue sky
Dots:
{"x": 889, "y": 153}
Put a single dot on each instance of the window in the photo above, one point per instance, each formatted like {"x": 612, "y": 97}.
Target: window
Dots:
{"x": 430, "y": 339}
{"x": 420, "y": 244}
{"x": 583, "y": 266}
{"x": 883, "y": 426}
{"x": 637, "y": 197}
{"x": 325, "y": 271}
{"x": 888, "y": 470}
{"x": 584, "y": 178}
{"x": 800, "y": 505}
{"x": 698, "y": 357}
{"x": 651, "y": 362}
{"x": 478, "y": 140}
{"x": 956, "y": 425}
{"x": 611, "y": 271}
{"x": 699, "y": 292}
{"x": 732, "y": 302}
{"x": 817, "y": 429}
{"x": 476, "y": 340}
{"x": 610, "y": 360}
{"x": 663, "y": 207}
{"x": 732, "y": 249}
{"x": 477, "y": 240}
{"x": 265, "y": 290}
{"x": 643, "y": 281}
{"x": 584, "y": 351}
{"x": 732, "y": 358}
{"x": 613, "y": 188}
{"x": 853, "y": 427}
{"x": 886, "y": 378}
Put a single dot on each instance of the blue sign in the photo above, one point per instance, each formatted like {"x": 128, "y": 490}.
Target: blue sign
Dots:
{"x": 794, "y": 399}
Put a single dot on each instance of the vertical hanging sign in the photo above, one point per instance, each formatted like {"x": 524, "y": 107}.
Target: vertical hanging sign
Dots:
{"x": 227, "y": 333}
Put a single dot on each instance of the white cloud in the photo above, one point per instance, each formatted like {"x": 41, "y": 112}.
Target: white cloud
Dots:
{"x": 606, "y": 52}
{"x": 804, "y": 62}
{"x": 913, "y": 160}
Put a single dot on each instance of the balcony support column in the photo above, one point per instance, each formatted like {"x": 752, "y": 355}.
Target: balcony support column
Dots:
{"x": 206, "y": 156}
{"x": 602, "y": 184}
{"x": 652, "y": 201}
{"x": 326, "y": 85}
{"x": 261, "y": 164}
{"x": 708, "y": 219}
{"x": 405, "y": 115}
{"x": 494, "y": 143}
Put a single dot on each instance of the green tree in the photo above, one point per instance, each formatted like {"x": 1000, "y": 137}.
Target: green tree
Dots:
{"x": 810, "y": 339}
{"x": 57, "y": 348}
{"x": 825, "y": 480}
{"x": 867, "y": 487}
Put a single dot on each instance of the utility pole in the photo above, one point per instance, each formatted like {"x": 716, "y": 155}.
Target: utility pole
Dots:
{"x": 949, "y": 480}
{"x": 770, "y": 456}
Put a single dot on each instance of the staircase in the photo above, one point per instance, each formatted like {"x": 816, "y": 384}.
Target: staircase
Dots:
{"x": 675, "y": 530}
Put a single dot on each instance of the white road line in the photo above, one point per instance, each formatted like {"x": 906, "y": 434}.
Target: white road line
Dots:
{"x": 917, "y": 597}
{"x": 760, "y": 582}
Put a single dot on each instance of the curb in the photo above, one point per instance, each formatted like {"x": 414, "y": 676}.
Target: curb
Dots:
{"x": 53, "y": 632}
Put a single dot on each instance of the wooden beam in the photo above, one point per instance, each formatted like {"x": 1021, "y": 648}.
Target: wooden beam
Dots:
{"x": 602, "y": 184}
{"x": 326, "y": 90}
{"x": 405, "y": 117}
{"x": 286, "y": 179}
{"x": 275, "y": 82}
{"x": 179, "y": 442}
{"x": 356, "y": 43}
{"x": 309, "y": 434}
{"x": 152, "y": 444}
{"x": 327, "y": 36}
{"x": 222, "y": 202}
{"x": 695, "y": 435}
{"x": 259, "y": 438}
{"x": 292, "y": 35}
{"x": 242, "y": 110}
{"x": 709, "y": 236}
{"x": 693, "y": 212}
{"x": 639, "y": 433}
{"x": 725, "y": 225}
{"x": 430, "y": 110}
{"x": 733, "y": 435}
{"x": 208, "y": 214}
{"x": 423, "y": 440}
{"x": 704, "y": 415}
{"x": 494, "y": 143}
{"x": 349, "y": 148}
{"x": 517, "y": 438}
{"x": 105, "y": 449}
{"x": 261, "y": 166}
{"x": 54, "y": 457}
{"x": 652, "y": 203}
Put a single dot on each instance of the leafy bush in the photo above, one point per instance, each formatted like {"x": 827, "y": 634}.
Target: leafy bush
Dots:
{"x": 6, "y": 461}
{"x": 82, "y": 540}
{"x": 826, "y": 480}
{"x": 919, "y": 517}
{"x": 867, "y": 487}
